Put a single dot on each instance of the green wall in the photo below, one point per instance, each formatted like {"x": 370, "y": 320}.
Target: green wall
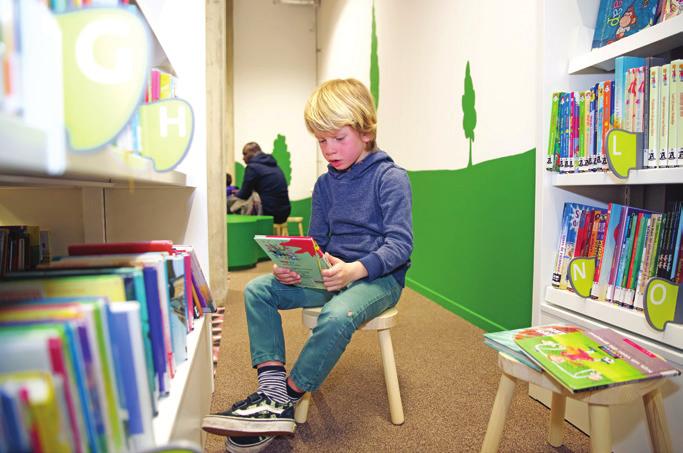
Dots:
{"x": 474, "y": 234}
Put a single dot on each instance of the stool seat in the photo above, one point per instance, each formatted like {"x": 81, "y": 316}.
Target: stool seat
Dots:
{"x": 282, "y": 229}
{"x": 598, "y": 402}
{"x": 386, "y": 320}
{"x": 382, "y": 325}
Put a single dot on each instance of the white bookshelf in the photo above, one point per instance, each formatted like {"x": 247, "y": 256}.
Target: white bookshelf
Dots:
{"x": 179, "y": 412}
{"x": 651, "y": 41}
{"x": 567, "y": 63}
{"x": 636, "y": 177}
{"x": 624, "y": 318}
{"x": 113, "y": 195}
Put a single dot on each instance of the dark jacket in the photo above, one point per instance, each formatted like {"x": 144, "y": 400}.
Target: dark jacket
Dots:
{"x": 364, "y": 214}
{"x": 265, "y": 177}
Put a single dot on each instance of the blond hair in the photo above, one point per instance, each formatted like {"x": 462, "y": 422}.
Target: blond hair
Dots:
{"x": 342, "y": 102}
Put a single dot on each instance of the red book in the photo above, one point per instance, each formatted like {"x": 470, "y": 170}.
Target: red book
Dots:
{"x": 115, "y": 248}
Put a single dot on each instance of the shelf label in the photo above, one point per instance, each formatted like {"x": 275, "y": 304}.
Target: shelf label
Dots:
{"x": 581, "y": 273}
{"x": 623, "y": 151}
{"x": 167, "y": 128}
{"x": 663, "y": 303}
{"x": 106, "y": 58}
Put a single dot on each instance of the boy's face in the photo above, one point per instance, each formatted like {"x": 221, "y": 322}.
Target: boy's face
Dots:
{"x": 344, "y": 147}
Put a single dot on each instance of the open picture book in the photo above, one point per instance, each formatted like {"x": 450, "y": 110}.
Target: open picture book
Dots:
{"x": 300, "y": 254}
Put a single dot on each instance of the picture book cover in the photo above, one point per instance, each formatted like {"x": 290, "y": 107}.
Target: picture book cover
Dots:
{"x": 300, "y": 254}
{"x": 504, "y": 341}
{"x": 595, "y": 359}
{"x": 618, "y": 18}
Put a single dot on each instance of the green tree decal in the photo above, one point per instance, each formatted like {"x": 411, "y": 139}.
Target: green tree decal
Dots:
{"x": 281, "y": 155}
{"x": 374, "y": 61}
{"x": 238, "y": 177}
{"x": 469, "y": 119}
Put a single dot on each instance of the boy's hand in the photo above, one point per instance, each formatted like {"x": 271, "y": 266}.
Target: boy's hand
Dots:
{"x": 285, "y": 276}
{"x": 341, "y": 274}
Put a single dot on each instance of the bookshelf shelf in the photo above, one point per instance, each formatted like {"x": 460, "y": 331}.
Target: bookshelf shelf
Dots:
{"x": 110, "y": 167}
{"x": 191, "y": 388}
{"x": 636, "y": 177}
{"x": 624, "y": 318}
{"x": 654, "y": 40}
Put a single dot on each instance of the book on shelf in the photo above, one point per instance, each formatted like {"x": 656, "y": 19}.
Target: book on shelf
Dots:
{"x": 504, "y": 341}
{"x": 594, "y": 359}
{"x": 616, "y": 20}
{"x": 300, "y": 254}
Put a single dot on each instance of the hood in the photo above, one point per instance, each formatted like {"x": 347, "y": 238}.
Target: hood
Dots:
{"x": 358, "y": 169}
{"x": 263, "y": 159}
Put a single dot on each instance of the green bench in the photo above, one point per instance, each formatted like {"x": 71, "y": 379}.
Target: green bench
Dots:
{"x": 243, "y": 252}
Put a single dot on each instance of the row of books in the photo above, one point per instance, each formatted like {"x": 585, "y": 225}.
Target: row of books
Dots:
{"x": 60, "y": 6}
{"x": 645, "y": 97}
{"x": 23, "y": 247}
{"x": 160, "y": 85}
{"x": 581, "y": 359}
{"x": 617, "y": 19}
{"x": 630, "y": 245}
{"x": 91, "y": 342}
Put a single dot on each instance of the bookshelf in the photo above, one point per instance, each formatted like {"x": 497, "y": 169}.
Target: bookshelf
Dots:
{"x": 565, "y": 62}
{"x": 112, "y": 195}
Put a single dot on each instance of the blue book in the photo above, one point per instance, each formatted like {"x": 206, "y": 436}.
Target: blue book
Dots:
{"x": 618, "y": 19}
{"x": 156, "y": 330}
{"x": 621, "y": 67}
{"x": 15, "y": 437}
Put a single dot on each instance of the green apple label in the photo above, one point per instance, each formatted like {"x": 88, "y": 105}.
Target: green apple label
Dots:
{"x": 581, "y": 273}
{"x": 622, "y": 151}
{"x": 663, "y": 303}
{"x": 167, "y": 128}
{"x": 106, "y": 62}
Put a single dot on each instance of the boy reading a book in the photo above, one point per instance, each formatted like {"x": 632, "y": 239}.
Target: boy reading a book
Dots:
{"x": 361, "y": 218}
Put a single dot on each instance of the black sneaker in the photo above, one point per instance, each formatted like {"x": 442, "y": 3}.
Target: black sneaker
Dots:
{"x": 256, "y": 415}
{"x": 250, "y": 444}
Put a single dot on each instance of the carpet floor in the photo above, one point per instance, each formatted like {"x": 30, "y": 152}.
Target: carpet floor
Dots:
{"x": 448, "y": 381}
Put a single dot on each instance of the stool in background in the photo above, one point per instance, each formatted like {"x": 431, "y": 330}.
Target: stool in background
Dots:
{"x": 282, "y": 229}
{"x": 382, "y": 324}
{"x": 598, "y": 402}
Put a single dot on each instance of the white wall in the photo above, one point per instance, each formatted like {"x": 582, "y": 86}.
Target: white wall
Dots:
{"x": 423, "y": 47}
{"x": 274, "y": 73}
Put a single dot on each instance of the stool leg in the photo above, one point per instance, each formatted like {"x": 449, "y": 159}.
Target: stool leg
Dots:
{"x": 601, "y": 431}
{"x": 656, "y": 422}
{"x": 557, "y": 408}
{"x": 301, "y": 229}
{"x": 494, "y": 431}
{"x": 390, "y": 377}
{"x": 301, "y": 411}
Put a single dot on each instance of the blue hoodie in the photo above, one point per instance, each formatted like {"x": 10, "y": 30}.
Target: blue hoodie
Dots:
{"x": 364, "y": 214}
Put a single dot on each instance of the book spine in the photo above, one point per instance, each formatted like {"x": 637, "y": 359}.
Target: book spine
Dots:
{"x": 679, "y": 111}
{"x": 644, "y": 263}
{"x": 562, "y": 243}
{"x": 634, "y": 268}
{"x": 652, "y": 157}
{"x": 598, "y": 126}
{"x": 641, "y": 80}
{"x": 580, "y": 131}
{"x": 624, "y": 260}
{"x": 551, "y": 163}
{"x": 672, "y": 116}
{"x": 628, "y": 100}
{"x": 618, "y": 246}
{"x": 664, "y": 116}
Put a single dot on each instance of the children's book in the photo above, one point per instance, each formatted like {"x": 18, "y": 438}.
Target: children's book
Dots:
{"x": 112, "y": 248}
{"x": 618, "y": 19}
{"x": 300, "y": 254}
{"x": 595, "y": 359}
{"x": 504, "y": 341}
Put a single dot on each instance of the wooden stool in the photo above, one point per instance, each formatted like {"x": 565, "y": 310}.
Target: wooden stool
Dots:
{"x": 282, "y": 229}
{"x": 598, "y": 407}
{"x": 382, "y": 324}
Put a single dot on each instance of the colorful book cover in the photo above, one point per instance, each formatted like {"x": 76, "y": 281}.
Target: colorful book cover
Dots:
{"x": 595, "y": 359}
{"x": 552, "y": 157}
{"x": 617, "y": 19}
{"x": 678, "y": 83}
{"x": 198, "y": 276}
{"x": 615, "y": 215}
{"x": 643, "y": 273}
{"x": 638, "y": 111}
{"x": 637, "y": 256}
{"x": 504, "y": 341}
{"x": 178, "y": 314}
{"x": 621, "y": 68}
{"x": 300, "y": 254}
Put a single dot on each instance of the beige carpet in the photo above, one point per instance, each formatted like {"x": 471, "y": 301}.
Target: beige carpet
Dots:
{"x": 448, "y": 383}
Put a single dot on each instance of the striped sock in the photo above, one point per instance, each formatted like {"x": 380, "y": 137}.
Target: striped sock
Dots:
{"x": 272, "y": 381}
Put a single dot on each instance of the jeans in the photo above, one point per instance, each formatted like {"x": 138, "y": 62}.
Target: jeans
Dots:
{"x": 343, "y": 312}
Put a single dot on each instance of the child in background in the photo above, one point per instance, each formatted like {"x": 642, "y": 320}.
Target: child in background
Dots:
{"x": 361, "y": 218}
